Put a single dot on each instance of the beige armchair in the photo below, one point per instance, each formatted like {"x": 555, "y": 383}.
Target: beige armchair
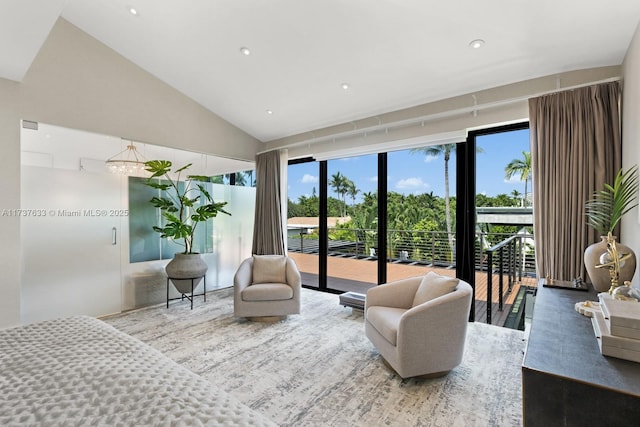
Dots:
{"x": 419, "y": 324}
{"x": 267, "y": 287}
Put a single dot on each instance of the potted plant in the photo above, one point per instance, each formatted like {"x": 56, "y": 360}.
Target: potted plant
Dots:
{"x": 604, "y": 211}
{"x": 183, "y": 207}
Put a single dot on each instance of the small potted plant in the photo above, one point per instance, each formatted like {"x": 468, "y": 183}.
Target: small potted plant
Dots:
{"x": 183, "y": 208}
{"x": 604, "y": 211}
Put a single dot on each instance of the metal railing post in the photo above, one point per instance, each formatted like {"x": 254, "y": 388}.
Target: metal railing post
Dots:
{"x": 489, "y": 285}
{"x": 511, "y": 264}
{"x": 520, "y": 258}
{"x": 433, "y": 248}
{"x": 481, "y": 249}
{"x": 500, "y": 279}
{"x": 301, "y": 244}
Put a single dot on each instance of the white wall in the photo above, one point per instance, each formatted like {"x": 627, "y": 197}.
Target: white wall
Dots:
{"x": 630, "y": 229}
{"x": 10, "y": 199}
{"x": 79, "y": 83}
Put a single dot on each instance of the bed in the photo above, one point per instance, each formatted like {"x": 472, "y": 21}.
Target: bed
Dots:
{"x": 82, "y": 371}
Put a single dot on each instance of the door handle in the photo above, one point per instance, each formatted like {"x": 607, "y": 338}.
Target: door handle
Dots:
{"x": 114, "y": 236}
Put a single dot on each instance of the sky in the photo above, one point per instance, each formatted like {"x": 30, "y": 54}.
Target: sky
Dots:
{"x": 416, "y": 173}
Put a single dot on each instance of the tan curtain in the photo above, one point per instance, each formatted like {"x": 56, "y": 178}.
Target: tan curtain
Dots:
{"x": 267, "y": 226}
{"x": 575, "y": 149}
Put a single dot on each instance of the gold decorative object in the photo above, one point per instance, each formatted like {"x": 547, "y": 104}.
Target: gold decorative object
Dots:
{"x": 624, "y": 292}
{"x": 613, "y": 260}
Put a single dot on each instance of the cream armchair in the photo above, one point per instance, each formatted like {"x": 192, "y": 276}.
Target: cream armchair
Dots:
{"x": 266, "y": 287}
{"x": 419, "y": 324}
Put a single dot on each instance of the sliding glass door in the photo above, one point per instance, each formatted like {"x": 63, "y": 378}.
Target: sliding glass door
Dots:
{"x": 504, "y": 244}
{"x": 348, "y": 230}
{"x": 303, "y": 232}
{"x": 352, "y": 233}
{"x": 421, "y": 207}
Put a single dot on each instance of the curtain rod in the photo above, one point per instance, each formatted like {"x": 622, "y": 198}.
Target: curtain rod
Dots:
{"x": 441, "y": 115}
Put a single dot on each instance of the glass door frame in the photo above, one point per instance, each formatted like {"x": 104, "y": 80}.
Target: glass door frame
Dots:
{"x": 465, "y": 211}
{"x": 466, "y": 207}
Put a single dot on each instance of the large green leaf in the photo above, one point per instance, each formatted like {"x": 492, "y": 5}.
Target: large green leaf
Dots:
{"x": 158, "y": 185}
{"x": 205, "y": 193}
{"x": 606, "y": 207}
{"x": 182, "y": 206}
{"x": 158, "y": 167}
{"x": 208, "y": 211}
{"x": 164, "y": 204}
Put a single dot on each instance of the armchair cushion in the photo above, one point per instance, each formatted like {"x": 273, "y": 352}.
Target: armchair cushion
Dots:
{"x": 267, "y": 292}
{"x": 269, "y": 269}
{"x": 433, "y": 286}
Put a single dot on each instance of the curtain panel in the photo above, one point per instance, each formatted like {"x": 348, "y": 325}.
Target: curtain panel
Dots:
{"x": 267, "y": 226}
{"x": 575, "y": 149}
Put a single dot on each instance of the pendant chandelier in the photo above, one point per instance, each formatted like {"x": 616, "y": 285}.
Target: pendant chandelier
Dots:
{"x": 127, "y": 162}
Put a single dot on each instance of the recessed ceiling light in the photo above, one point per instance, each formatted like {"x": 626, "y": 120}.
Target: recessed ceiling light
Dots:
{"x": 344, "y": 86}
{"x": 476, "y": 44}
{"x": 269, "y": 112}
{"x": 133, "y": 11}
{"x": 245, "y": 51}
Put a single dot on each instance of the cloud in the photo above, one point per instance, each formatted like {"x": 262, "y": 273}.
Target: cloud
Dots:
{"x": 429, "y": 159}
{"x": 309, "y": 179}
{"x": 374, "y": 178}
{"x": 411, "y": 184}
{"x": 515, "y": 179}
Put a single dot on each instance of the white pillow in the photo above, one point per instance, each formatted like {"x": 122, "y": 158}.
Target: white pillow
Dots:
{"x": 433, "y": 286}
{"x": 269, "y": 269}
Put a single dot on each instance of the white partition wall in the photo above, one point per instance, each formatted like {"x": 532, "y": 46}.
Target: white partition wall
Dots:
{"x": 78, "y": 236}
{"x": 233, "y": 234}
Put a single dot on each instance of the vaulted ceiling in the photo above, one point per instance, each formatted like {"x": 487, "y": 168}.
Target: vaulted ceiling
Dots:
{"x": 316, "y": 63}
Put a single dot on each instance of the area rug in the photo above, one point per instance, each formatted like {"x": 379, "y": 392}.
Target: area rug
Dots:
{"x": 319, "y": 369}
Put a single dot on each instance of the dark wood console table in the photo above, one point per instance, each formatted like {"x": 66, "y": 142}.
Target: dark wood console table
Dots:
{"x": 566, "y": 381}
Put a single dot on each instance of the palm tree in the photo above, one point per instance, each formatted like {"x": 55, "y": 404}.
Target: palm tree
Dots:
{"x": 352, "y": 191}
{"x": 516, "y": 196}
{"x": 445, "y": 151}
{"x": 521, "y": 167}
{"x": 340, "y": 184}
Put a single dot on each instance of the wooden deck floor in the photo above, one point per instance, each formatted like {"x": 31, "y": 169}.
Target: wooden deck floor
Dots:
{"x": 358, "y": 275}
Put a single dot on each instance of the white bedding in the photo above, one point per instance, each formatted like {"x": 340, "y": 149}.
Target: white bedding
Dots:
{"x": 81, "y": 371}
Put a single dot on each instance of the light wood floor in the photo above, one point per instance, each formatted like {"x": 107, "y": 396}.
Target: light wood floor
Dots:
{"x": 357, "y": 275}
